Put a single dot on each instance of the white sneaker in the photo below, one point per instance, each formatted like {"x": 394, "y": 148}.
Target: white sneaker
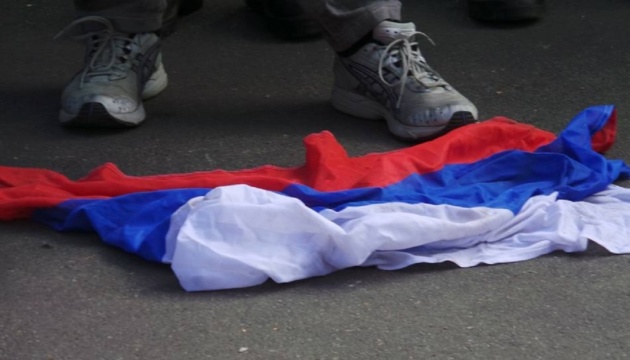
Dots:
{"x": 120, "y": 70}
{"x": 392, "y": 80}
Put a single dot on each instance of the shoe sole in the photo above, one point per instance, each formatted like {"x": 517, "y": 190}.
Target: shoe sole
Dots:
{"x": 500, "y": 11}
{"x": 95, "y": 114}
{"x": 366, "y": 108}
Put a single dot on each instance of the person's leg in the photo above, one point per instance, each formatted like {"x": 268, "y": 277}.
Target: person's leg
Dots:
{"x": 345, "y": 22}
{"x": 129, "y": 16}
{"x": 380, "y": 72}
{"x": 123, "y": 62}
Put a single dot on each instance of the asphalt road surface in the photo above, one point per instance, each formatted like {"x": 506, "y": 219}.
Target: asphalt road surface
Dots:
{"x": 240, "y": 98}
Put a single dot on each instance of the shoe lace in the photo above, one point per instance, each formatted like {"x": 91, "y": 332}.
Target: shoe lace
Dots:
{"x": 109, "y": 53}
{"x": 406, "y": 54}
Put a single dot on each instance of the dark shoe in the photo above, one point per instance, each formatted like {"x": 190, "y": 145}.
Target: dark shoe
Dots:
{"x": 506, "y": 10}
{"x": 286, "y": 18}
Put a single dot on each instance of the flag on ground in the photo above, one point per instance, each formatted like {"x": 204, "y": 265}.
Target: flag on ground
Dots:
{"x": 494, "y": 192}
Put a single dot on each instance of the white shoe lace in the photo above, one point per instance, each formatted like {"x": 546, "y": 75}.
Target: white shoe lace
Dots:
{"x": 412, "y": 63}
{"x": 110, "y": 51}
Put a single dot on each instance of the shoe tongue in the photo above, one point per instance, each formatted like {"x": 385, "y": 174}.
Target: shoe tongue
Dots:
{"x": 388, "y": 31}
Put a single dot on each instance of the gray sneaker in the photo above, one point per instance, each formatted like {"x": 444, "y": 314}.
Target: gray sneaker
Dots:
{"x": 119, "y": 71}
{"x": 392, "y": 80}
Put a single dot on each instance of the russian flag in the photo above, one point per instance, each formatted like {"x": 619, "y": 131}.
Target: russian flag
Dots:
{"x": 494, "y": 192}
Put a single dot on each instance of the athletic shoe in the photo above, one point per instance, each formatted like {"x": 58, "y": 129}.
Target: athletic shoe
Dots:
{"x": 119, "y": 71}
{"x": 390, "y": 79}
{"x": 286, "y": 18}
{"x": 506, "y": 10}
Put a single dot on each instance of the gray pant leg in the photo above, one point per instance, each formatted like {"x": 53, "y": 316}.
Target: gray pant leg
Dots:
{"x": 347, "y": 21}
{"x": 130, "y": 16}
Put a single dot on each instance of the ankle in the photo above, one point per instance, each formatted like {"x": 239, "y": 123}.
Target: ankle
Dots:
{"x": 366, "y": 39}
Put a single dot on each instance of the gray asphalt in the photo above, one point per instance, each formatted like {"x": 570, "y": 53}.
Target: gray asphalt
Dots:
{"x": 240, "y": 98}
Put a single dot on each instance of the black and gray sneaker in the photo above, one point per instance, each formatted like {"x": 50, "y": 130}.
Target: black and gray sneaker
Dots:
{"x": 120, "y": 70}
{"x": 506, "y": 10}
{"x": 390, "y": 79}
